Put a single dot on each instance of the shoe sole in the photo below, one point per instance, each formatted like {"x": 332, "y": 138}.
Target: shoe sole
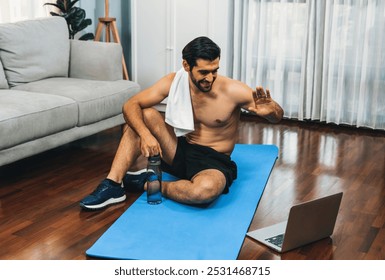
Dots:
{"x": 137, "y": 172}
{"x": 134, "y": 173}
{"x": 106, "y": 203}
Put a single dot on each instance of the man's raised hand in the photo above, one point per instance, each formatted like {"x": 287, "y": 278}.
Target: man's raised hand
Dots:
{"x": 265, "y": 106}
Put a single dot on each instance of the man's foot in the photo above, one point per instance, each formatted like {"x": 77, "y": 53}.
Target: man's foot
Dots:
{"x": 134, "y": 181}
{"x": 107, "y": 193}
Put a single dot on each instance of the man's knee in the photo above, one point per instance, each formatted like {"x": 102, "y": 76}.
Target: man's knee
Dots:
{"x": 206, "y": 193}
{"x": 208, "y": 189}
{"x": 154, "y": 121}
{"x": 151, "y": 116}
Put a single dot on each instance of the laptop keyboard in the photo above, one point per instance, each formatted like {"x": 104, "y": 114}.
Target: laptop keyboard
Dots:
{"x": 276, "y": 240}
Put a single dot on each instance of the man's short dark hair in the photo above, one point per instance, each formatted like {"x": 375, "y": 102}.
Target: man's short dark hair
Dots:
{"x": 200, "y": 48}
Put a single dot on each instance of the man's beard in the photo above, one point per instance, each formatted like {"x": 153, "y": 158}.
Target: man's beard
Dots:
{"x": 202, "y": 85}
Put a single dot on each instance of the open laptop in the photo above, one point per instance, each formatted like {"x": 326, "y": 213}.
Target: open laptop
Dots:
{"x": 308, "y": 222}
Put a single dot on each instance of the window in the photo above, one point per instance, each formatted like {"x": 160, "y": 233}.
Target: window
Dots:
{"x": 322, "y": 60}
{"x": 16, "y": 10}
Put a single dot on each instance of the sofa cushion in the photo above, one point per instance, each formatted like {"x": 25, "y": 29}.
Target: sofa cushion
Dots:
{"x": 97, "y": 100}
{"x": 96, "y": 60}
{"x": 45, "y": 55}
{"x": 25, "y": 116}
{"x": 3, "y": 80}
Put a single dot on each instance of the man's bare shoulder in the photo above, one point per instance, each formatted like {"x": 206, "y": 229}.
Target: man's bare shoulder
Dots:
{"x": 234, "y": 88}
{"x": 170, "y": 76}
{"x": 163, "y": 85}
{"x": 166, "y": 80}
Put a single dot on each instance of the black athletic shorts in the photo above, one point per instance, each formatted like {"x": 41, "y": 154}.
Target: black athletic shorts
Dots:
{"x": 191, "y": 159}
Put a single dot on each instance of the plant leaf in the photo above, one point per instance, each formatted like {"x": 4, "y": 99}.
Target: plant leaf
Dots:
{"x": 74, "y": 16}
{"x": 71, "y": 4}
{"x": 87, "y": 36}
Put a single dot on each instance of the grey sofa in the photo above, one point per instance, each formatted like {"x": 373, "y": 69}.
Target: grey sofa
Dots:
{"x": 54, "y": 90}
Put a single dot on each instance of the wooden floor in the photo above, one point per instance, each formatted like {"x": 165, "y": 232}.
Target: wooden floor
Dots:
{"x": 40, "y": 217}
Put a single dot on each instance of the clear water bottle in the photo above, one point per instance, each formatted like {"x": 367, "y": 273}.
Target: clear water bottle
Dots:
{"x": 154, "y": 180}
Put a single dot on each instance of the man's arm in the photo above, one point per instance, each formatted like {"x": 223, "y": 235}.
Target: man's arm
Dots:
{"x": 258, "y": 102}
{"x": 132, "y": 111}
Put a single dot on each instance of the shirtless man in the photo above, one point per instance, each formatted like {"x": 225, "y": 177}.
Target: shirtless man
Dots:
{"x": 201, "y": 159}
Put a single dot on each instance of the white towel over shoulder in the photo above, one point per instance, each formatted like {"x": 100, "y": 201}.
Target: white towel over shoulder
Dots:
{"x": 179, "y": 113}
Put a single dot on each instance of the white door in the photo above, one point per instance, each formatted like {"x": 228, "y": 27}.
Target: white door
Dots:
{"x": 161, "y": 28}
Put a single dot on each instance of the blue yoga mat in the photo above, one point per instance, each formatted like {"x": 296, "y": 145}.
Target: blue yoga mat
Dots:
{"x": 174, "y": 231}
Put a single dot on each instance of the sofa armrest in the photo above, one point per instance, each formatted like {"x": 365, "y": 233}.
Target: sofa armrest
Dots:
{"x": 96, "y": 60}
{"x": 3, "y": 79}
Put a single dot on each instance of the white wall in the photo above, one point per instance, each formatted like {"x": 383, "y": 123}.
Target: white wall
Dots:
{"x": 118, "y": 9}
{"x": 161, "y": 28}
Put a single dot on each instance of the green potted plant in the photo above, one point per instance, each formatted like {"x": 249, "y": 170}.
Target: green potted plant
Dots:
{"x": 75, "y": 17}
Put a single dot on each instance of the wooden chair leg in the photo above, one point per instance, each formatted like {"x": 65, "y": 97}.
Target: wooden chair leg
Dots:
{"x": 111, "y": 28}
{"x": 114, "y": 32}
{"x": 98, "y": 32}
{"x": 115, "y": 35}
{"x": 108, "y": 32}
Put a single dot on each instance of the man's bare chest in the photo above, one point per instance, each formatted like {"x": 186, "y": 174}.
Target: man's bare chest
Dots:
{"x": 213, "y": 112}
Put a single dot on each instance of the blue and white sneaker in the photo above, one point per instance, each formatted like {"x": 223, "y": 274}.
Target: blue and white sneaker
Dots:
{"x": 104, "y": 195}
{"x": 134, "y": 181}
